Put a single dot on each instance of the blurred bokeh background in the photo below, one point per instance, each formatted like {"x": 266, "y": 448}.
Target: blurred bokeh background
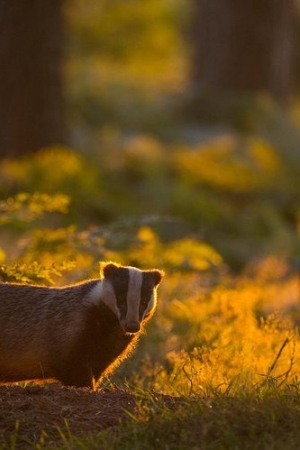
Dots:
{"x": 183, "y": 109}
{"x": 160, "y": 133}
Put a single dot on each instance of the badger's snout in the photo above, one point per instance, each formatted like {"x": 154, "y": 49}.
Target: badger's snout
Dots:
{"x": 132, "y": 327}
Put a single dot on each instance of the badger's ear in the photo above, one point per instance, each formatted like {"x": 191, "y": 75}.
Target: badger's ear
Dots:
{"x": 108, "y": 270}
{"x": 157, "y": 276}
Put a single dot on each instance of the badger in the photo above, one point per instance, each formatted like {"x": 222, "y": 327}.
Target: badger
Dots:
{"x": 75, "y": 334}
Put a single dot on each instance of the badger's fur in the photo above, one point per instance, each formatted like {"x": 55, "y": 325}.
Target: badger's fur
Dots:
{"x": 78, "y": 333}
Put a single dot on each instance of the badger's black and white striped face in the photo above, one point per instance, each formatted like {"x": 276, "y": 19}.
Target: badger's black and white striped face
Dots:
{"x": 130, "y": 293}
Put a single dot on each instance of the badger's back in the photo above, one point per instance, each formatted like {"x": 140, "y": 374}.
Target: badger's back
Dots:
{"x": 29, "y": 312}
{"x": 35, "y": 326}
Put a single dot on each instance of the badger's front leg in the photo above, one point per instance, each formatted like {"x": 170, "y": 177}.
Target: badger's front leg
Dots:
{"x": 75, "y": 374}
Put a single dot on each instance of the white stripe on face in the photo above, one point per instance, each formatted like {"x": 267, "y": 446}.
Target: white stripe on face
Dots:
{"x": 133, "y": 297}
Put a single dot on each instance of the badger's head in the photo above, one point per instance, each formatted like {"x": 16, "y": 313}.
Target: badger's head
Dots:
{"x": 130, "y": 293}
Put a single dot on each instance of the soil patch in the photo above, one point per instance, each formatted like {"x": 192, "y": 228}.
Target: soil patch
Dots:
{"x": 28, "y": 414}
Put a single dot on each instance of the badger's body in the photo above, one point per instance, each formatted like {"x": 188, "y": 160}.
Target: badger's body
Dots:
{"x": 76, "y": 333}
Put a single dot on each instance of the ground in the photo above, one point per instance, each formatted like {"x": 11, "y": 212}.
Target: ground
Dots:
{"x": 31, "y": 412}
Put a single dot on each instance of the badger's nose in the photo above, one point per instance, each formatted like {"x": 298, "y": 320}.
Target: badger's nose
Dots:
{"x": 132, "y": 327}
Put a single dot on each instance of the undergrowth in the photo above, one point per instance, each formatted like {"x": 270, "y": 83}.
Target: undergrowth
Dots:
{"x": 218, "y": 423}
{"x": 224, "y": 341}
{"x": 220, "y": 215}
{"x": 267, "y": 419}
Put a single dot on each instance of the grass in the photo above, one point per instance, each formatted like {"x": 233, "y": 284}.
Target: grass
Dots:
{"x": 219, "y": 423}
{"x": 265, "y": 419}
{"x": 261, "y": 421}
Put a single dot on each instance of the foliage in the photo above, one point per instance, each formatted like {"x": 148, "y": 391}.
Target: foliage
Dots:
{"x": 213, "y": 331}
{"x": 124, "y": 61}
{"x": 225, "y": 342}
{"x": 116, "y": 28}
{"x": 33, "y": 273}
{"x": 218, "y": 210}
{"x": 24, "y": 208}
{"x": 225, "y": 422}
{"x": 246, "y": 185}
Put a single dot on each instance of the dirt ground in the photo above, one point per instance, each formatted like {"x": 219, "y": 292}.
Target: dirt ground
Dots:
{"x": 27, "y": 413}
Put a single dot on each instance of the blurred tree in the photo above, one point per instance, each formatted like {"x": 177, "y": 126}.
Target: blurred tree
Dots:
{"x": 242, "y": 47}
{"x": 31, "y": 87}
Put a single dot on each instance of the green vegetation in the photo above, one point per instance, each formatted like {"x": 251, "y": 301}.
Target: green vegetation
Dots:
{"x": 225, "y": 336}
{"x": 219, "y": 423}
{"x": 217, "y": 209}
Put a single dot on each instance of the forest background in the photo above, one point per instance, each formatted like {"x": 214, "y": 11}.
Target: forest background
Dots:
{"x": 165, "y": 133}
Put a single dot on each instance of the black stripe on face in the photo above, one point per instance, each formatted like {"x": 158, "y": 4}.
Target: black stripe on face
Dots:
{"x": 148, "y": 286}
{"x": 120, "y": 282}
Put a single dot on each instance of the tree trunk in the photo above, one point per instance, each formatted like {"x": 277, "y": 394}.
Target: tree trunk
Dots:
{"x": 243, "y": 47}
{"x": 31, "y": 86}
